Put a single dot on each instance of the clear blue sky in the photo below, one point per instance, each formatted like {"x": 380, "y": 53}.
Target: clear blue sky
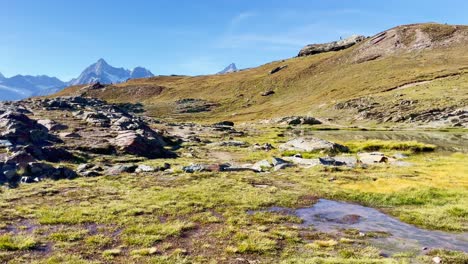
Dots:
{"x": 61, "y": 37}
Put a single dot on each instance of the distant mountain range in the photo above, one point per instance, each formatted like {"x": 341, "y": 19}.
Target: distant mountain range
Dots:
{"x": 230, "y": 68}
{"x": 22, "y": 86}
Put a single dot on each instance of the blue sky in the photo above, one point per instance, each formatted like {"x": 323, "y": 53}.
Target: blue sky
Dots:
{"x": 61, "y": 37}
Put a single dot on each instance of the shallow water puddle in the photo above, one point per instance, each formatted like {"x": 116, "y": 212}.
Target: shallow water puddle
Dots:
{"x": 333, "y": 216}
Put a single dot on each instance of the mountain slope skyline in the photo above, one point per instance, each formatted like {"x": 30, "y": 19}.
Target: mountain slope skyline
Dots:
{"x": 230, "y": 68}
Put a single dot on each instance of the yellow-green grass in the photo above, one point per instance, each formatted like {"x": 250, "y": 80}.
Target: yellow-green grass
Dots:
{"x": 11, "y": 242}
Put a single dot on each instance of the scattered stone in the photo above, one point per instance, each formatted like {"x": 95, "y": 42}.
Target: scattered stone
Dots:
{"x": 122, "y": 168}
{"x": 329, "y": 161}
{"x": 144, "y": 168}
{"x": 372, "y": 158}
{"x": 282, "y": 166}
{"x": 267, "y": 93}
{"x": 350, "y": 219}
{"x": 69, "y": 135}
{"x": 231, "y": 143}
{"x": 51, "y": 125}
{"x": 224, "y": 123}
{"x": 278, "y": 161}
{"x": 437, "y": 260}
{"x": 277, "y": 69}
{"x": 305, "y": 163}
{"x": 262, "y": 165}
{"x": 265, "y": 147}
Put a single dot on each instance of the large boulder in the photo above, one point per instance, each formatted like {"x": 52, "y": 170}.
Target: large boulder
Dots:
{"x": 132, "y": 142}
{"x": 312, "y": 144}
{"x": 331, "y": 46}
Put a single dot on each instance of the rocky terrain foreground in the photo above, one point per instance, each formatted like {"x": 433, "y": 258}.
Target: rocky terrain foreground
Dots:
{"x": 87, "y": 181}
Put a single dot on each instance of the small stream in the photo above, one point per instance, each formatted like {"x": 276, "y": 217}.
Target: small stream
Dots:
{"x": 333, "y": 216}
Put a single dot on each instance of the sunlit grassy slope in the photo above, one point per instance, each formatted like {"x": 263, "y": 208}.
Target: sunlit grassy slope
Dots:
{"x": 314, "y": 84}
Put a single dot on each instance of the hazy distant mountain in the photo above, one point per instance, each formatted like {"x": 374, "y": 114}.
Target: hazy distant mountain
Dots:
{"x": 140, "y": 72}
{"x": 102, "y": 72}
{"x": 22, "y": 86}
{"x": 230, "y": 68}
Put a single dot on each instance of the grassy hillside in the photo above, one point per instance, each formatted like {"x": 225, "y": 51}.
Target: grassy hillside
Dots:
{"x": 424, "y": 62}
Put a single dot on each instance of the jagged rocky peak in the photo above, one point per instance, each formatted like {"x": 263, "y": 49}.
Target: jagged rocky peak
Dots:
{"x": 331, "y": 46}
{"x": 104, "y": 73}
{"x": 1, "y": 76}
{"x": 230, "y": 68}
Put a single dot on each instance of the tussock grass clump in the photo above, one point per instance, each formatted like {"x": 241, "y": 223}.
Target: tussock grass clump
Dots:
{"x": 68, "y": 236}
{"x": 148, "y": 234}
{"x": 254, "y": 242}
{"x": 378, "y": 145}
{"x": 10, "y": 242}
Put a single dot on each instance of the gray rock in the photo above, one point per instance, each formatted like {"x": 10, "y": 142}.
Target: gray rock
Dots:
{"x": 144, "y": 168}
{"x": 122, "y": 168}
{"x": 51, "y": 125}
{"x": 265, "y": 147}
{"x": 231, "y": 143}
{"x": 278, "y": 161}
{"x": 282, "y": 166}
{"x": 194, "y": 168}
{"x": 305, "y": 163}
{"x": 132, "y": 142}
{"x": 83, "y": 167}
{"x": 262, "y": 165}
{"x": 224, "y": 123}
{"x": 9, "y": 174}
{"x": 370, "y": 158}
{"x": 329, "y": 161}
{"x": 267, "y": 93}
{"x": 69, "y": 135}
{"x": 277, "y": 69}
{"x": 312, "y": 144}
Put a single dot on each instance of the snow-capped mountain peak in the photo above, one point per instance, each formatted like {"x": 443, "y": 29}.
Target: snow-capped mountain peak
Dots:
{"x": 104, "y": 73}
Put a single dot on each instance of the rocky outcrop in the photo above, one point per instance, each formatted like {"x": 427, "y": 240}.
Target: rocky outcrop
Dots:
{"x": 299, "y": 120}
{"x": 87, "y": 127}
{"x": 331, "y": 46}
